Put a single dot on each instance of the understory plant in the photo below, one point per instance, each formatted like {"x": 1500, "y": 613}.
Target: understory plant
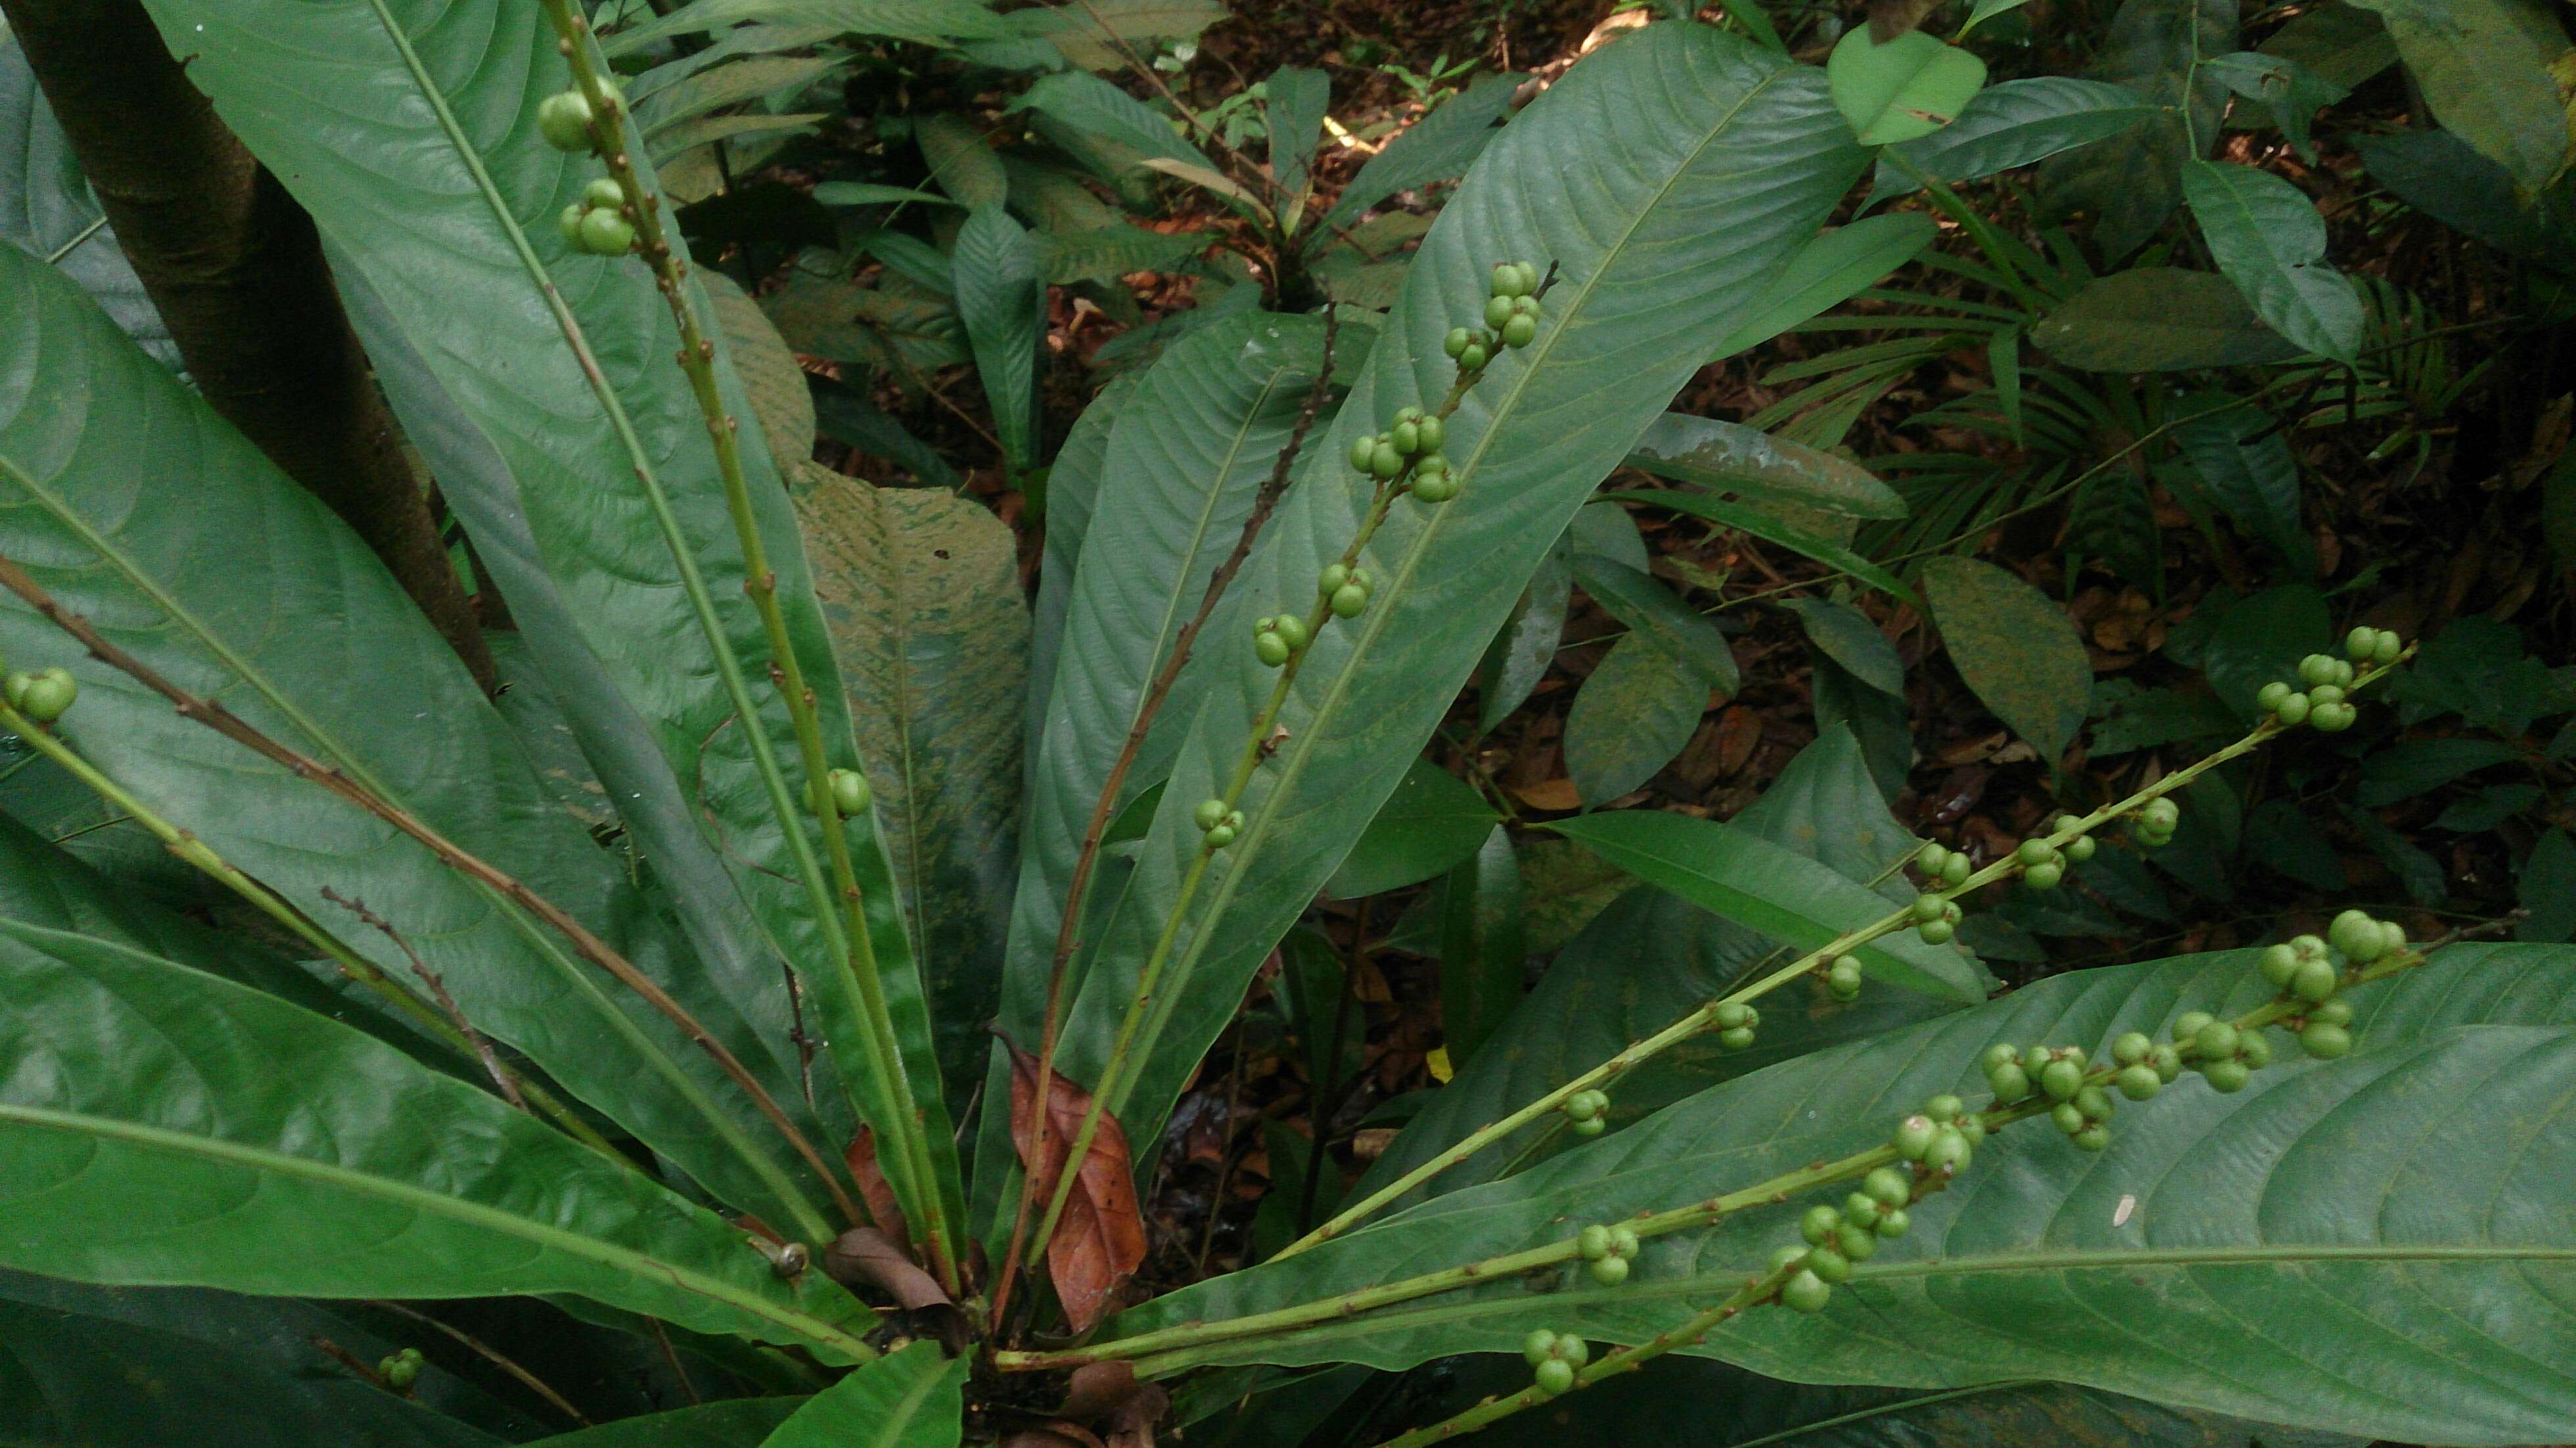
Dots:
{"x": 765, "y": 1032}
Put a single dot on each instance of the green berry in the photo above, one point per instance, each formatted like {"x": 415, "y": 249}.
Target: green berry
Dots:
{"x": 2269, "y": 697}
{"x": 2214, "y": 1041}
{"x": 1220, "y": 837}
{"x": 2061, "y": 1079}
{"x": 1609, "y": 1271}
{"x": 604, "y": 191}
{"x": 2357, "y": 935}
{"x": 1291, "y": 628}
{"x": 1736, "y": 1013}
{"x": 1593, "y": 1127}
{"x": 2317, "y": 669}
{"x": 1209, "y": 814}
{"x": 2278, "y": 964}
{"x": 1887, "y": 1186}
{"x": 1538, "y": 1347}
{"x": 2389, "y": 647}
{"x": 2392, "y": 936}
{"x": 1949, "y": 1152}
{"x": 402, "y": 1369}
{"x": 850, "y": 793}
{"x": 2188, "y": 1024}
{"x": 2344, "y": 673}
{"x": 1843, "y": 978}
{"x": 1736, "y": 1039}
{"x": 1406, "y": 437}
{"x": 2227, "y": 1076}
{"x": 2094, "y": 1102}
{"x": 1805, "y": 1292}
{"x": 1432, "y": 431}
{"x": 1385, "y": 461}
{"x": 1585, "y": 1105}
{"x": 2067, "y": 1117}
{"x": 2139, "y": 1082}
{"x": 2160, "y": 814}
{"x": 1624, "y": 1244}
{"x": 2293, "y": 711}
{"x": 2010, "y": 1083}
{"x": 605, "y": 233}
{"x": 2092, "y": 1138}
{"x": 1349, "y": 601}
{"x": 1820, "y": 1224}
{"x": 1331, "y": 579}
{"x": 2361, "y": 643}
{"x": 1787, "y": 1256}
{"x": 1410, "y": 413}
{"x": 1592, "y": 1243}
{"x": 1956, "y": 869}
{"x": 1998, "y": 1056}
{"x": 2333, "y": 718}
{"x": 568, "y": 221}
{"x": 49, "y": 695}
{"x": 1573, "y": 1349}
{"x": 1928, "y": 859}
{"x": 1927, "y": 908}
{"x": 1936, "y": 932}
{"x": 564, "y": 120}
{"x": 1913, "y": 1138}
{"x": 1971, "y": 1127}
{"x": 2326, "y": 1043}
{"x": 2079, "y": 849}
{"x": 1457, "y": 342}
{"x": 2322, "y": 695}
{"x": 2317, "y": 980}
{"x": 2168, "y": 1063}
{"x": 2043, "y": 877}
{"x": 2130, "y": 1047}
{"x": 1473, "y": 359}
{"x": 1435, "y": 487}
{"x": 1507, "y": 282}
{"x": 1498, "y": 310}
{"x": 1554, "y": 1377}
{"x": 1529, "y": 276}
{"x": 1894, "y": 1223}
{"x": 2035, "y": 852}
{"x": 1860, "y": 1209}
{"x": 2255, "y": 1050}
{"x": 1271, "y": 649}
{"x": 1856, "y": 1241}
{"x": 1519, "y": 331}
{"x": 2331, "y": 1013}
{"x": 1944, "y": 1107}
{"x": 1363, "y": 451}
{"x": 1828, "y": 1264}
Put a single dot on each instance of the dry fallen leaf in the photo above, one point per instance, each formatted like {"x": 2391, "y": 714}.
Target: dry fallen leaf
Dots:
{"x": 874, "y": 1189}
{"x": 1550, "y": 794}
{"x": 1101, "y": 1237}
{"x": 866, "y": 1255}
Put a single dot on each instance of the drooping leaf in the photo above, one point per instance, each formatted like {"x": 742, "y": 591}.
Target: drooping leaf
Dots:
{"x": 920, "y": 588}
{"x": 1435, "y": 147}
{"x": 1829, "y": 271}
{"x": 2269, "y": 240}
{"x": 2485, "y": 69}
{"x": 1100, "y": 1239}
{"x": 2131, "y": 183}
{"x": 1644, "y": 287}
{"x": 909, "y": 1399}
{"x": 1901, "y": 87}
{"x": 2015, "y": 647}
{"x": 1072, "y": 490}
{"x": 2014, "y": 124}
{"x": 1738, "y": 459}
{"x": 2265, "y": 1234}
{"x": 199, "y": 1161}
{"x": 1763, "y": 525}
{"x": 1432, "y": 821}
{"x": 960, "y": 163}
{"x": 2158, "y": 319}
{"x": 1001, "y": 299}
{"x": 1482, "y": 945}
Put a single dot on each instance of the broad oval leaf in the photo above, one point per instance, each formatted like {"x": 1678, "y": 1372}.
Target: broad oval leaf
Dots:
{"x": 2158, "y": 319}
{"x": 2016, "y": 123}
{"x": 2271, "y": 1241}
{"x": 1646, "y": 286}
{"x": 1432, "y": 821}
{"x": 1632, "y": 716}
{"x": 1682, "y": 633}
{"x": 220, "y": 1138}
{"x": 1910, "y": 86}
{"x": 2268, "y": 239}
{"x": 1850, "y": 638}
{"x": 909, "y": 1399}
{"x": 1729, "y": 456}
{"x": 2485, "y": 66}
{"x": 2015, "y": 647}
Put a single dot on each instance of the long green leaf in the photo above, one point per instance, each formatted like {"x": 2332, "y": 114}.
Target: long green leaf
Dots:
{"x": 909, "y": 1399}
{"x": 2268, "y": 239}
{"x": 2270, "y": 1245}
{"x": 733, "y": 1423}
{"x": 1632, "y": 716}
{"x": 2484, "y": 66}
{"x": 46, "y": 207}
{"x": 1072, "y": 491}
{"x": 1647, "y": 283}
{"x": 1830, "y": 271}
{"x": 1434, "y": 148}
{"x": 2012, "y": 125}
{"x": 1678, "y": 631}
{"x": 1712, "y": 453}
{"x": 389, "y": 704}
{"x": 2015, "y": 647}
{"x": 1797, "y": 540}
{"x": 435, "y": 193}
{"x": 1001, "y": 299}
{"x": 2131, "y": 182}
{"x": 165, "y": 1126}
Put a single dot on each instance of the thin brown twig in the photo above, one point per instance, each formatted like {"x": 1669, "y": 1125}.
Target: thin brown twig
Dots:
{"x": 437, "y": 992}
{"x": 354, "y": 1363}
{"x": 671, "y": 1355}
{"x": 588, "y": 946}
{"x": 1077, "y": 888}
{"x": 491, "y": 1355}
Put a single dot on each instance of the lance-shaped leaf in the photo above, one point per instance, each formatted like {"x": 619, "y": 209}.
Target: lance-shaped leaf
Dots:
{"x": 2269, "y": 240}
{"x": 1647, "y": 283}
{"x": 164, "y": 1126}
{"x": 2015, "y": 647}
{"x": 1434, "y": 148}
{"x": 732, "y": 1423}
{"x": 1729, "y": 456}
{"x": 1828, "y": 272}
{"x": 1001, "y": 299}
{"x": 435, "y": 192}
{"x": 46, "y": 207}
{"x": 2014, "y": 124}
{"x": 910, "y": 1399}
{"x": 377, "y": 696}
{"x": 2253, "y": 1254}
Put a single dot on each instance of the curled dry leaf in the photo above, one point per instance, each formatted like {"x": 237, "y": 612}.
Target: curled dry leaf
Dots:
{"x": 864, "y": 1255}
{"x": 1101, "y": 1238}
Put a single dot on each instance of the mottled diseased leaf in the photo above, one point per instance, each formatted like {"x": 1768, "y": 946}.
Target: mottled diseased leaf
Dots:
{"x": 1849, "y": 638}
{"x": 2015, "y": 647}
{"x": 1747, "y": 519}
{"x": 1650, "y": 611}
{"x": 1630, "y": 719}
{"x": 771, "y": 380}
{"x": 960, "y": 163}
{"x": 2158, "y": 319}
{"x": 1737, "y": 459}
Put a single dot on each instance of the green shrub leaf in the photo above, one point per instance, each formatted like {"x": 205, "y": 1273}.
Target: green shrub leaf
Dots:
{"x": 2015, "y": 647}
{"x": 2269, "y": 240}
{"x": 909, "y": 1399}
{"x": 1911, "y": 86}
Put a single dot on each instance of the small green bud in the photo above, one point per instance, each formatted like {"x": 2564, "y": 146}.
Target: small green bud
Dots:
{"x": 564, "y": 120}
{"x": 1819, "y": 1224}
{"x": 2226, "y": 1077}
{"x": 1609, "y": 1271}
{"x": 1944, "y": 1108}
{"x": 2139, "y": 1082}
{"x": 2010, "y": 1083}
{"x": 1271, "y": 649}
{"x": 2130, "y": 1047}
{"x": 49, "y": 695}
{"x": 1805, "y": 1292}
{"x": 1385, "y": 461}
{"x": 2293, "y": 711}
{"x": 603, "y": 191}
{"x": 1554, "y": 1377}
{"x": 2269, "y": 697}
{"x": 1887, "y": 1186}
{"x": 1538, "y": 1347}
{"x": 2317, "y": 980}
{"x": 2096, "y": 1137}
{"x": 1519, "y": 330}
{"x": 1913, "y": 1138}
{"x": 2324, "y": 1042}
{"x": 605, "y": 233}
{"x": 1894, "y": 1222}
{"x": 1457, "y": 342}
{"x": 2214, "y": 1041}
{"x": 1826, "y": 1263}
{"x": 2317, "y": 669}
{"x": 2061, "y": 1079}
{"x": 2067, "y": 1117}
{"x": 1957, "y": 868}
{"x": 1349, "y": 601}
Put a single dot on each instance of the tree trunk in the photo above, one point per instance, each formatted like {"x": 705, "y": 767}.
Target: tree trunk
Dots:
{"x": 236, "y": 269}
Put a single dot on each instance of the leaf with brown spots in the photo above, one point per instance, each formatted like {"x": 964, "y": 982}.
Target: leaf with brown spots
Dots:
{"x": 1101, "y": 1239}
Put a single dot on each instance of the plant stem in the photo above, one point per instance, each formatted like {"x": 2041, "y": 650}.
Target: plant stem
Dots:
{"x": 897, "y": 1116}
{"x": 202, "y": 856}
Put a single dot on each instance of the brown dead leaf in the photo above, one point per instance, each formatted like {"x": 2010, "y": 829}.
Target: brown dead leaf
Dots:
{"x": 1550, "y": 794}
{"x": 864, "y": 1255}
{"x": 874, "y": 1189}
{"x": 1101, "y": 1238}
{"x": 1098, "y": 1389}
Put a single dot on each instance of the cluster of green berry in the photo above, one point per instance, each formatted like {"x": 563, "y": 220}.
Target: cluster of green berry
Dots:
{"x": 2152, "y": 826}
{"x": 1736, "y": 1023}
{"x": 1842, "y": 978}
{"x": 401, "y": 1369}
{"x": 1940, "y": 1137}
{"x": 1936, "y": 918}
{"x": 1837, "y": 1237}
{"x": 598, "y": 222}
{"x": 1413, "y": 442}
{"x": 43, "y": 696}
{"x": 2321, "y": 702}
{"x": 2303, "y": 970}
{"x": 1587, "y": 1113}
{"x": 2043, "y": 865}
{"x": 850, "y": 793}
{"x": 1218, "y": 823}
{"x": 1511, "y": 318}
{"x": 1554, "y": 1358}
{"x": 1606, "y": 1252}
{"x": 1345, "y": 590}
{"x": 1277, "y": 637}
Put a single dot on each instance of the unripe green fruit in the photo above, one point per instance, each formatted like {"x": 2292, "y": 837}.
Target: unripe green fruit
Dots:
{"x": 2317, "y": 669}
{"x": 1805, "y": 1292}
{"x": 2344, "y": 673}
{"x": 1609, "y": 1271}
{"x": 1594, "y": 1127}
{"x": 2092, "y": 1138}
{"x": 1473, "y": 359}
{"x": 2139, "y": 1082}
{"x": 2094, "y": 1102}
{"x": 49, "y": 695}
{"x": 2074, "y": 1054}
{"x": 850, "y": 793}
{"x": 2278, "y": 964}
{"x": 1971, "y": 1127}
{"x": 2392, "y": 935}
{"x": 2035, "y": 852}
{"x": 2010, "y": 1083}
{"x": 1624, "y": 1244}
{"x": 1936, "y": 932}
{"x": 604, "y": 191}
{"x": 2293, "y": 711}
{"x": 1944, "y": 1107}
{"x": 1506, "y": 283}
{"x": 568, "y": 221}
{"x": 2168, "y": 1063}
{"x": 1328, "y": 582}
{"x": 1406, "y": 437}
{"x": 2326, "y": 1043}
{"x": 2160, "y": 814}
{"x": 14, "y": 687}
{"x": 1949, "y": 1152}
{"x": 1349, "y": 601}
{"x": 606, "y": 233}
{"x": 1927, "y": 908}
{"x": 1410, "y": 413}
{"x": 1736, "y": 1039}
{"x": 402, "y": 1369}
{"x": 1498, "y": 310}
{"x": 2323, "y": 694}
{"x": 2188, "y": 1024}
{"x": 1997, "y": 1056}
{"x": 1928, "y": 859}
{"x": 1857, "y": 1243}
{"x": 1519, "y": 331}
{"x": 2130, "y": 1047}
{"x": 1956, "y": 869}
{"x": 1819, "y": 1224}
{"x": 2356, "y": 934}
{"x": 2043, "y": 877}
{"x": 1209, "y": 814}
{"x": 2388, "y": 648}
{"x": 1737, "y": 1013}
{"x": 1433, "y": 432}
{"x": 1292, "y": 629}
{"x": 1363, "y": 452}
{"x": 1786, "y": 1256}
{"x": 1860, "y": 1209}
{"x": 1887, "y": 1186}
{"x": 1592, "y": 1243}
{"x": 2079, "y": 849}
{"x": 1585, "y": 1105}
{"x": 1220, "y": 837}
{"x": 2269, "y": 697}
{"x": 1271, "y": 649}
{"x": 1361, "y": 581}
{"x": 1457, "y": 342}
{"x": 2333, "y": 718}
{"x": 1554, "y": 1377}
{"x": 2361, "y": 643}
{"x": 1384, "y": 459}
{"x": 2331, "y": 1013}
{"x": 2226, "y": 1077}
{"x": 1572, "y": 1349}
{"x": 1951, "y": 912}
{"x": 1828, "y": 1264}
{"x": 1914, "y": 1136}
{"x": 2067, "y": 1118}
{"x": 2317, "y": 980}
{"x": 2214, "y": 1041}
{"x": 1894, "y": 1223}
{"x": 1435, "y": 487}
{"x": 564, "y": 120}
{"x": 2061, "y": 1079}
{"x": 1843, "y": 979}
{"x": 2255, "y": 1050}
{"x": 1538, "y": 1347}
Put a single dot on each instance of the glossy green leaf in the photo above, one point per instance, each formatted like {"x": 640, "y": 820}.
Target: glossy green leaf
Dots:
{"x": 157, "y": 1090}
{"x": 2017, "y": 123}
{"x": 1088, "y": 103}
{"x": 1830, "y": 271}
{"x": 2015, "y": 647}
{"x": 1072, "y": 490}
{"x": 2444, "y": 177}
{"x": 1746, "y": 878}
{"x": 1911, "y": 86}
{"x": 1683, "y": 634}
{"x": 2132, "y": 182}
{"x": 1645, "y": 287}
{"x": 2158, "y": 319}
{"x": 733, "y": 1423}
{"x": 920, "y": 588}
{"x": 1525, "y": 647}
{"x": 431, "y": 187}
{"x": 909, "y": 1399}
{"x": 1483, "y": 946}
{"x": 1001, "y": 299}
{"x": 1297, "y": 101}
{"x": 1852, "y": 640}
{"x": 2484, "y": 66}
{"x": 1436, "y": 147}
{"x": 2241, "y": 460}
{"x": 1762, "y": 525}
{"x": 2402, "y": 771}
{"x": 389, "y": 703}
{"x": 1630, "y": 718}
{"x": 46, "y": 207}
{"x": 869, "y": 193}
{"x": 1986, "y": 10}
{"x": 2289, "y": 90}
{"x": 1433, "y": 821}
{"x": 2268, "y": 239}
{"x": 1729, "y": 456}
{"x": 1650, "y": 958}
{"x": 2268, "y": 1240}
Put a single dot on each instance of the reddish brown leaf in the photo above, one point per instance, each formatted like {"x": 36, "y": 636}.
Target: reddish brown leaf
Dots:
{"x": 866, "y": 1255}
{"x": 1098, "y": 1389}
{"x": 1101, "y": 1238}
{"x": 874, "y": 1189}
